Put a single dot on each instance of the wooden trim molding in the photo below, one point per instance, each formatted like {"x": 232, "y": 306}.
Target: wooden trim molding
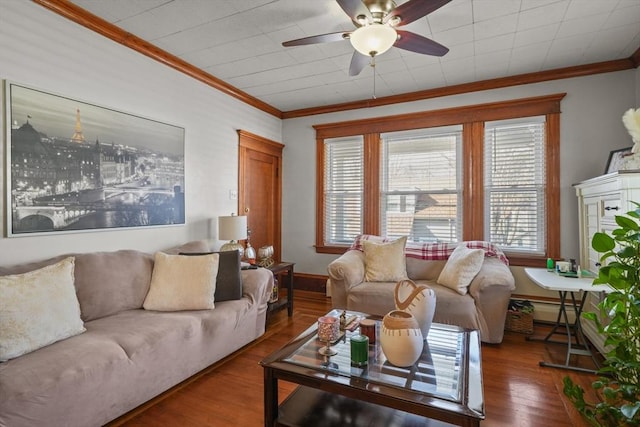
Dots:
{"x": 523, "y": 107}
{"x": 372, "y": 184}
{"x": 520, "y": 79}
{"x": 259, "y": 143}
{"x": 316, "y": 283}
{"x": 552, "y": 178}
{"x": 94, "y": 23}
{"x": 473, "y": 179}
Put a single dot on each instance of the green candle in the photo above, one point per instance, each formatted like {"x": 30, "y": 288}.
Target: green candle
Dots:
{"x": 550, "y": 264}
{"x": 359, "y": 350}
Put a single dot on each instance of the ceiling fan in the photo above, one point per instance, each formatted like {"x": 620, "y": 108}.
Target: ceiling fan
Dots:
{"x": 377, "y": 22}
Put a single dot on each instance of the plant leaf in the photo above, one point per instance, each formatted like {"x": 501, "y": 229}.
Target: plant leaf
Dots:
{"x": 601, "y": 242}
{"x": 627, "y": 223}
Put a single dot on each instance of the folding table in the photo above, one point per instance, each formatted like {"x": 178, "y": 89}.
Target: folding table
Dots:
{"x": 572, "y": 287}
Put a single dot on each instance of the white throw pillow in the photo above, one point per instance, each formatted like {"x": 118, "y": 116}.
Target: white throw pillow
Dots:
{"x": 385, "y": 262}
{"x": 461, "y": 267}
{"x": 38, "y": 308}
{"x": 182, "y": 282}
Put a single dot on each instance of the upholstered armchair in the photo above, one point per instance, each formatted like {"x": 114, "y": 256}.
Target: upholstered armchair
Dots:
{"x": 472, "y": 280}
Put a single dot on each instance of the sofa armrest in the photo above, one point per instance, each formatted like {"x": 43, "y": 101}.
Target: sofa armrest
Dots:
{"x": 492, "y": 273}
{"x": 491, "y": 289}
{"x": 345, "y": 272}
{"x": 257, "y": 285}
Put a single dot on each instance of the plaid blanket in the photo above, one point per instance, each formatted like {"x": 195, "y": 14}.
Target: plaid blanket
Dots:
{"x": 433, "y": 251}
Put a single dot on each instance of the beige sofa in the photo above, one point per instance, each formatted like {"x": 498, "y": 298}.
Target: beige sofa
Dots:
{"x": 127, "y": 355}
{"x": 484, "y": 307}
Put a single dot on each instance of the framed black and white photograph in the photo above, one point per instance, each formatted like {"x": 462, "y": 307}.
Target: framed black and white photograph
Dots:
{"x": 616, "y": 159}
{"x": 76, "y": 166}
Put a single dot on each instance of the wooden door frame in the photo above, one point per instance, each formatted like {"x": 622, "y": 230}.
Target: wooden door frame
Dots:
{"x": 253, "y": 142}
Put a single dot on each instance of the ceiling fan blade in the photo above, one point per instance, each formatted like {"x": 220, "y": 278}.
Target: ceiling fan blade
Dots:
{"x": 321, "y": 38}
{"x": 353, "y": 8}
{"x": 414, "y": 9}
{"x": 358, "y": 62}
{"x": 417, "y": 43}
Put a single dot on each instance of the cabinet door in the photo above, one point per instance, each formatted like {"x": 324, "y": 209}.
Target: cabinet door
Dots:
{"x": 591, "y": 223}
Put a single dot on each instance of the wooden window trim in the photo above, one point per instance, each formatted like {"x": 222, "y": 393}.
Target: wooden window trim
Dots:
{"x": 472, "y": 119}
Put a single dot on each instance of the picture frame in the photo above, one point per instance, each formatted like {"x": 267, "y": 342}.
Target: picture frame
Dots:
{"x": 75, "y": 166}
{"x": 616, "y": 159}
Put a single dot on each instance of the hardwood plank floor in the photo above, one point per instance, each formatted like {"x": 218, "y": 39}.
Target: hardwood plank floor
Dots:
{"x": 517, "y": 391}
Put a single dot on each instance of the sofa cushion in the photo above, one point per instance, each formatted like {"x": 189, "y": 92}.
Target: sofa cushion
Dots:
{"x": 110, "y": 282}
{"x": 461, "y": 267}
{"x": 38, "y": 308}
{"x": 182, "y": 283}
{"x": 385, "y": 262}
{"x": 229, "y": 279}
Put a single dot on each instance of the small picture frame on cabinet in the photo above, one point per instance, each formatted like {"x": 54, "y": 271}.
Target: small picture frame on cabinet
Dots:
{"x": 616, "y": 159}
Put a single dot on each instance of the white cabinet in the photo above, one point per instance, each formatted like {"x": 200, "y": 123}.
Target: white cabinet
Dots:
{"x": 600, "y": 199}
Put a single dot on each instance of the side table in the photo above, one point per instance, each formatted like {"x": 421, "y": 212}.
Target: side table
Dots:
{"x": 576, "y": 342}
{"x": 283, "y": 268}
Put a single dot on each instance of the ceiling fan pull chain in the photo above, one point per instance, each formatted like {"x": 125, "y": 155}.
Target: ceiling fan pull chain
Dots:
{"x": 373, "y": 65}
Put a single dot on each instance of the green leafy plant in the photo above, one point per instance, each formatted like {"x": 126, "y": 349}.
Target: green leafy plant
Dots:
{"x": 617, "y": 385}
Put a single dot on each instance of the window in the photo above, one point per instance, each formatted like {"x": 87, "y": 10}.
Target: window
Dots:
{"x": 515, "y": 184}
{"x": 421, "y": 185}
{"x": 481, "y": 172}
{"x": 343, "y": 184}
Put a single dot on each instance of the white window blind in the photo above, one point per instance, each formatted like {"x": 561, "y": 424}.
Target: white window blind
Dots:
{"x": 515, "y": 184}
{"x": 343, "y": 189}
{"x": 421, "y": 184}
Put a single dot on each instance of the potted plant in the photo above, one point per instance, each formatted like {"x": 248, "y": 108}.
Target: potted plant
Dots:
{"x": 618, "y": 383}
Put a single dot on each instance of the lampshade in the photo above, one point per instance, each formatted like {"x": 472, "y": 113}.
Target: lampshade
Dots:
{"x": 373, "y": 39}
{"x": 232, "y": 227}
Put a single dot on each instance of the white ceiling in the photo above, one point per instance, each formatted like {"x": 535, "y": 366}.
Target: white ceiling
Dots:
{"x": 239, "y": 42}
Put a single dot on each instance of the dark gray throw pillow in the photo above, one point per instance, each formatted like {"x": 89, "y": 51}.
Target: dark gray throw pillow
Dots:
{"x": 229, "y": 279}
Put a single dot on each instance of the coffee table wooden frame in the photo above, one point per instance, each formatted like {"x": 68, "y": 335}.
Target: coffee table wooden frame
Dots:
{"x": 458, "y": 413}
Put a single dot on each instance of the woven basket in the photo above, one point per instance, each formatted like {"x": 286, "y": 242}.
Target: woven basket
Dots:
{"x": 519, "y": 322}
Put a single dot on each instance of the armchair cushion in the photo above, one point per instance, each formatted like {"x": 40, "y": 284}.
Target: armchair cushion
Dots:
{"x": 385, "y": 262}
{"x": 461, "y": 267}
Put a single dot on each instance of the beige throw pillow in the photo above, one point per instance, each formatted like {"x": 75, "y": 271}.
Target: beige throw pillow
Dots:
{"x": 385, "y": 262}
{"x": 461, "y": 267}
{"x": 38, "y": 308}
{"x": 182, "y": 282}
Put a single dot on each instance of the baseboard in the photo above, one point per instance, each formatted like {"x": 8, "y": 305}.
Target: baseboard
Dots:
{"x": 548, "y": 312}
{"x": 310, "y": 282}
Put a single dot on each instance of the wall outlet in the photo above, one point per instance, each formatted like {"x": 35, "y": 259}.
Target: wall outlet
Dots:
{"x": 233, "y": 194}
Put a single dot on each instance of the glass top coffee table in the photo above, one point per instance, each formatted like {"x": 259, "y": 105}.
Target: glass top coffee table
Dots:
{"x": 443, "y": 388}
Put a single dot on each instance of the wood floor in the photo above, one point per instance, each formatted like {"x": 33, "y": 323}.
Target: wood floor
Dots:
{"x": 517, "y": 391}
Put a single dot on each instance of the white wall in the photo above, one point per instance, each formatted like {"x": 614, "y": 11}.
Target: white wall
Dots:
{"x": 43, "y": 50}
{"x": 591, "y": 127}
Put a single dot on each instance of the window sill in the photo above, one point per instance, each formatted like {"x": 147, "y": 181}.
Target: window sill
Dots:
{"x": 338, "y": 250}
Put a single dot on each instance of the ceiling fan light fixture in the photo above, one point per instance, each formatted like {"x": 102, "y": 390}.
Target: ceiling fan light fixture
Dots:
{"x": 373, "y": 39}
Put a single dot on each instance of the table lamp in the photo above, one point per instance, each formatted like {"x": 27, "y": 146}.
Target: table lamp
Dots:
{"x": 232, "y": 228}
